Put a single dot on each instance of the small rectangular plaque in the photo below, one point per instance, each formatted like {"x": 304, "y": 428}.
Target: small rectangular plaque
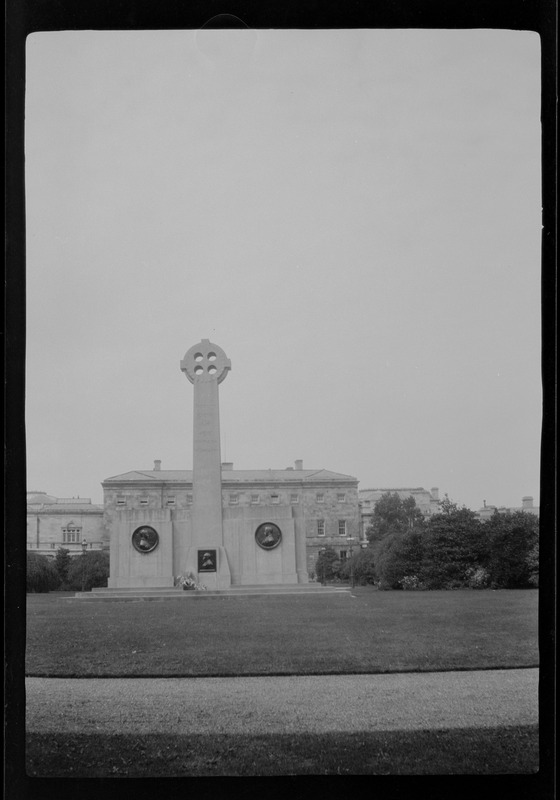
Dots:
{"x": 207, "y": 561}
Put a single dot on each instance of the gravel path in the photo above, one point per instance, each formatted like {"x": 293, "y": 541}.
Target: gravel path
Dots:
{"x": 314, "y": 704}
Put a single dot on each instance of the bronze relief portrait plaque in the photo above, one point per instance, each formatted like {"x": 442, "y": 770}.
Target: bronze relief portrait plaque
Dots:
{"x": 268, "y": 536}
{"x": 145, "y": 539}
{"x": 207, "y": 561}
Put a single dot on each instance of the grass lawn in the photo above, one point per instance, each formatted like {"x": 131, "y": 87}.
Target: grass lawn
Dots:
{"x": 274, "y": 635}
{"x": 444, "y": 752}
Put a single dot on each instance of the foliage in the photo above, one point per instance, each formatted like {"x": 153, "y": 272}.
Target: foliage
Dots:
{"x": 92, "y": 568}
{"x": 393, "y": 514}
{"x": 411, "y": 582}
{"x": 400, "y": 555}
{"x": 477, "y": 578}
{"x": 189, "y": 582}
{"x": 533, "y": 563}
{"x": 447, "y": 506}
{"x": 454, "y": 543}
{"x": 362, "y": 565}
{"x": 62, "y": 562}
{"x": 42, "y": 575}
{"x": 454, "y": 549}
{"x": 328, "y": 564}
{"x": 393, "y": 518}
{"x": 514, "y": 549}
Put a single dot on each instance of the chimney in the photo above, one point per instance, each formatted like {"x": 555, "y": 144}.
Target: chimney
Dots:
{"x": 299, "y": 464}
{"x": 435, "y": 492}
{"x": 157, "y": 465}
{"x": 527, "y": 502}
{"x": 227, "y": 465}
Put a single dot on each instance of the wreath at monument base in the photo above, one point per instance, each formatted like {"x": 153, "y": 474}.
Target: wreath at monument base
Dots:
{"x": 189, "y": 582}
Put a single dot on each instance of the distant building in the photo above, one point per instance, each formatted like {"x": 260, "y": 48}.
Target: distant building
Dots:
{"x": 323, "y": 505}
{"x": 54, "y": 522}
{"x": 527, "y": 506}
{"x": 427, "y": 501}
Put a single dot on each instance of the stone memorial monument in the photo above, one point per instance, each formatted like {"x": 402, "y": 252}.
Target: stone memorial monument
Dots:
{"x": 224, "y": 527}
{"x": 206, "y": 365}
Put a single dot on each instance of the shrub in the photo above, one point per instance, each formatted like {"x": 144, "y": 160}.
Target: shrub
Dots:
{"x": 514, "y": 538}
{"x": 62, "y": 562}
{"x": 477, "y": 578}
{"x": 533, "y": 564}
{"x": 42, "y": 575}
{"x": 363, "y": 566}
{"x": 400, "y": 555}
{"x": 411, "y": 582}
{"x": 328, "y": 564}
{"x": 454, "y": 543}
{"x": 93, "y": 568}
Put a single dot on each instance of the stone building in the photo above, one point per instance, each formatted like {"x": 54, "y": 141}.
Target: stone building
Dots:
{"x": 54, "y": 522}
{"x": 527, "y": 506}
{"x": 313, "y": 507}
{"x": 427, "y": 501}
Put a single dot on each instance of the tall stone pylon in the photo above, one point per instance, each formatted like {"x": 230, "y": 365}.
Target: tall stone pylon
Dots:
{"x": 206, "y": 365}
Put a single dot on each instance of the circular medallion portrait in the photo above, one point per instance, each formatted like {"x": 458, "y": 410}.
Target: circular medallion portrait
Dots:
{"x": 268, "y": 536}
{"x": 145, "y": 539}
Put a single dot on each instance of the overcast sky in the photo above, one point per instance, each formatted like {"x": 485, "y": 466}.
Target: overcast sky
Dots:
{"x": 353, "y": 216}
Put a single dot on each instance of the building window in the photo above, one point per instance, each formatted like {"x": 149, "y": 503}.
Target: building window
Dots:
{"x": 343, "y": 555}
{"x": 254, "y": 499}
{"x": 233, "y": 499}
{"x": 342, "y": 527}
{"x": 71, "y": 535}
{"x": 321, "y": 498}
{"x": 341, "y": 497}
{"x": 189, "y": 499}
{"x": 170, "y": 501}
{"x": 320, "y": 527}
{"x": 294, "y": 498}
{"x": 121, "y": 501}
{"x": 143, "y": 501}
{"x": 53, "y": 545}
{"x": 275, "y": 499}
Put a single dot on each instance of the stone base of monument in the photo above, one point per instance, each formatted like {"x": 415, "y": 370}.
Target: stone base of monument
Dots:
{"x": 135, "y": 560}
{"x": 136, "y": 595}
{"x": 209, "y": 565}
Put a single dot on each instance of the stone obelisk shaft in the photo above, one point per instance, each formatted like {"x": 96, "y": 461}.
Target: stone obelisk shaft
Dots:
{"x": 207, "y": 478}
{"x": 206, "y": 365}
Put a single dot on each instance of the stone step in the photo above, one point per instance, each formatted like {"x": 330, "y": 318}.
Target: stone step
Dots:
{"x": 260, "y": 587}
{"x": 178, "y": 594}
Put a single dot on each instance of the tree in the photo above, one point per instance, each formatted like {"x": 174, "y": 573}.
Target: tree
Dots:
{"x": 400, "y": 556}
{"x": 393, "y": 518}
{"x": 447, "y": 506}
{"x": 362, "y": 566}
{"x": 533, "y": 563}
{"x": 391, "y": 515}
{"x": 454, "y": 543}
{"x": 448, "y": 551}
{"x": 514, "y": 547}
{"x": 42, "y": 575}
{"x": 62, "y": 562}
{"x": 328, "y": 564}
{"x": 93, "y": 566}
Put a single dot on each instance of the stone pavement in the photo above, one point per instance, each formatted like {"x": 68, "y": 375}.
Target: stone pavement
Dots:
{"x": 287, "y": 704}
